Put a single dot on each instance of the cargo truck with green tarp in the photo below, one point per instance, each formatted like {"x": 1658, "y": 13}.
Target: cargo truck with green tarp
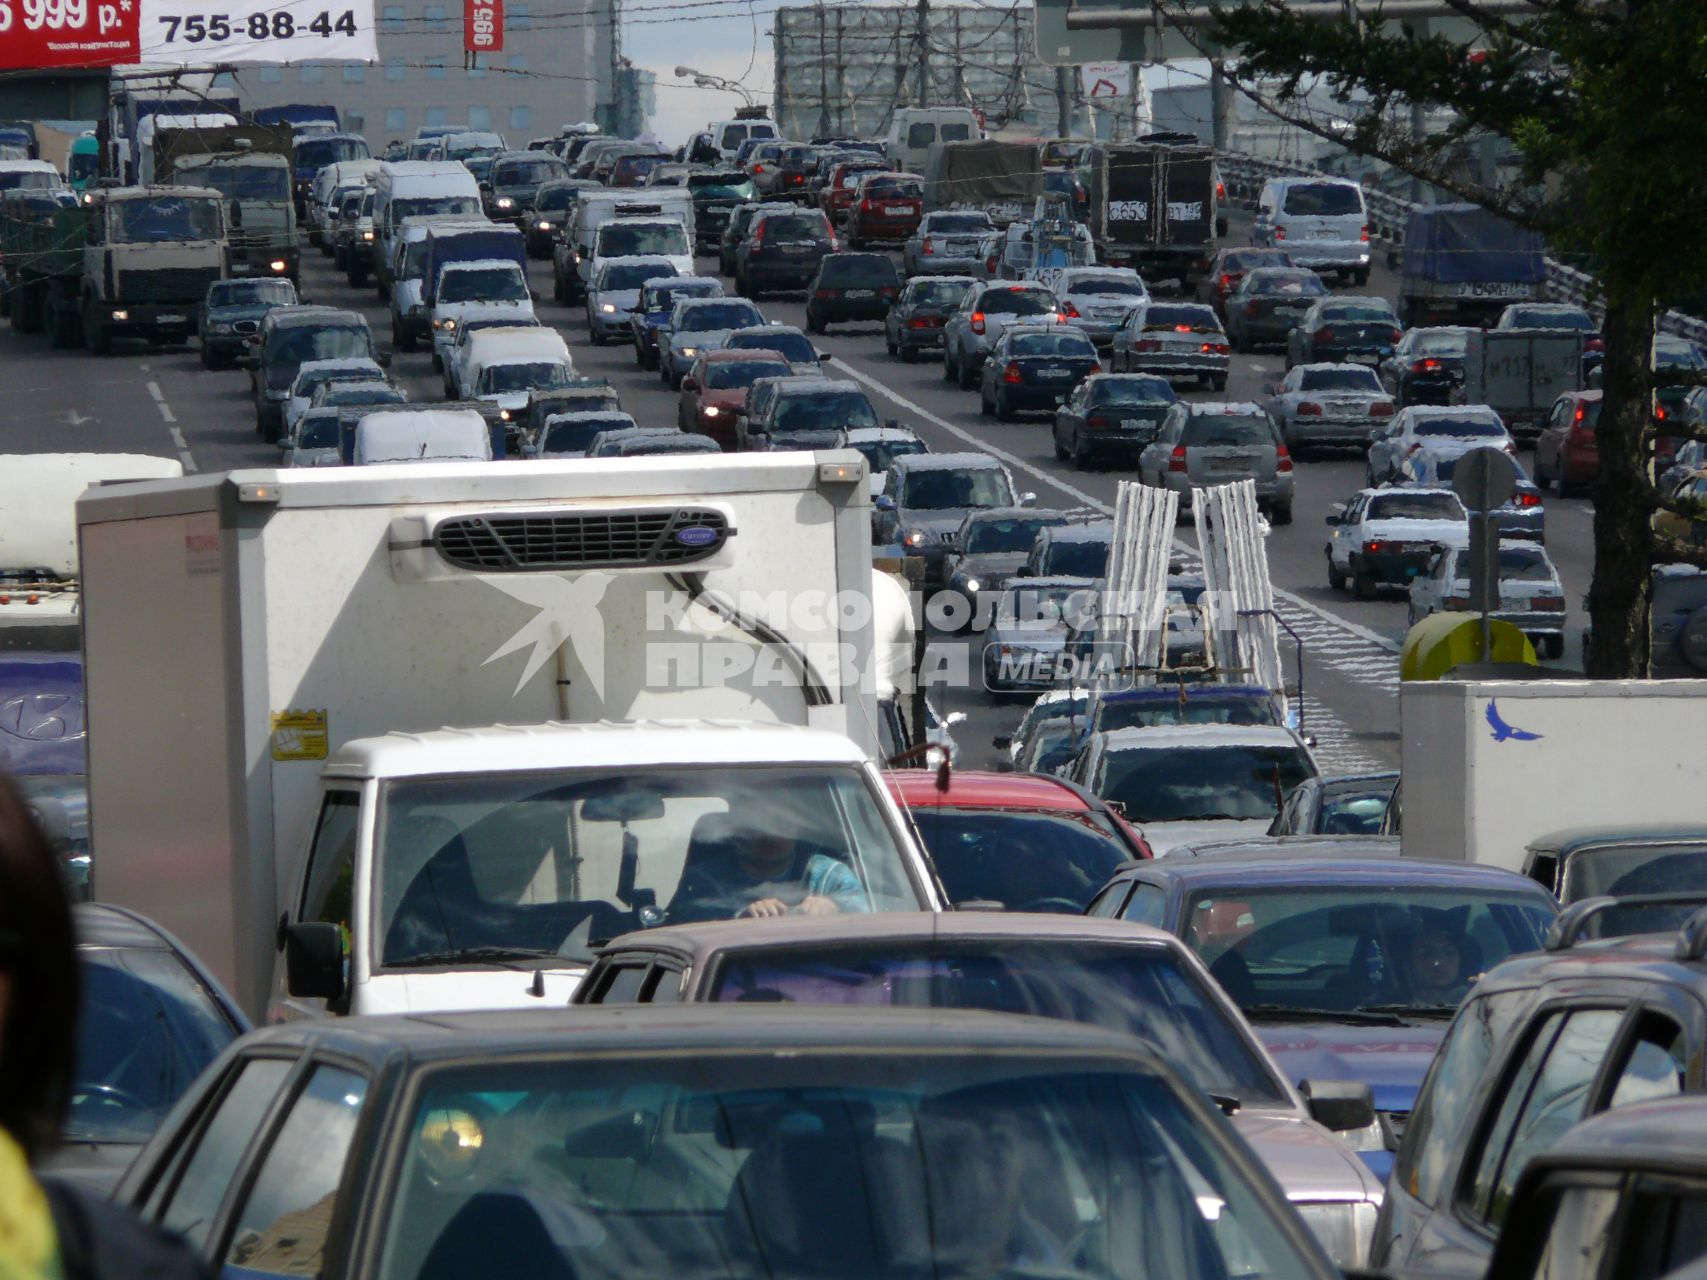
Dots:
{"x": 250, "y": 165}
{"x": 1002, "y": 179}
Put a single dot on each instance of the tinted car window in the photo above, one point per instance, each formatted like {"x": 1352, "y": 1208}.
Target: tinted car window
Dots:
{"x": 1052, "y": 344}
{"x": 1214, "y": 431}
{"x": 1202, "y": 782}
{"x": 865, "y": 269}
{"x": 1113, "y": 286}
{"x": 1339, "y": 380}
{"x": 824, "y": 409}
{"x": 709, "y": 316}
{"x": 1017, "y": 302}
{"x": 1007, "y": 534}
{"x": 793, "y": 347}
{"x": 921, "y": 134}
{"x": 794, "y": 226}
{"x": 1026, "y": 861}
{"x": 1299, "y": 284}
{"x": 956, "y": 133}
{"x": 953, "y": 223}
{"x": 1323, "y": 199}
{"x": 947, "y": 293}
{"x": 939, "y": 490}
{"x": 208, "y": 1174}
{"x": 1132, "y": 391}
{"x": 726, "y": 374}
{"x": 894, "y": 189}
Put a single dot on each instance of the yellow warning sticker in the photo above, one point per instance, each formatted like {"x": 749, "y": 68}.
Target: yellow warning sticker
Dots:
{"x": 299, "y": 735}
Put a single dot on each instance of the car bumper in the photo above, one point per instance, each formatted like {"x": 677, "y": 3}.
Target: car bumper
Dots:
{"x": 1100, "y": 332}
{"x": 1175, "y": 364}
{"x": 614, "y": 325}
{"x": 1275, "y": 489}
{"x": 1395, "y": 568}
{"x": 1370, "y": 356}
{"x": 150, "y": 317}
{"x": 1027, "y": 396}
{"x": 412, "y": 326}
{"x": 919, "y": 339}
{"x": 837, "y": 309}
{"x": 1107, "y": 443}
{"x": 1344, "y": 254}
{"x": 797, "y": 273}
{"x": 937, "y": 264}
{"x": 1325, "y": 430}
{"x": 884, "y": 229}
{"x": 1532, "y": 528}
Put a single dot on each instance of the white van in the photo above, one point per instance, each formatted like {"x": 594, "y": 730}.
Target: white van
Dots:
{"x": 1322, "y": 224}
{"x": 505, "y": 365}
{"x": 333, "y": 178}
{"x": 642, "y": 238}
{"x": 415, "y": 189}
{"x": 595, "y": 208}
{"x": 728, "y": 135}
{"x": 480, "y": 289}
{"x": 424, "y": 435}
{"x": 912, "y": 130}
{"x": 29, "y": 175}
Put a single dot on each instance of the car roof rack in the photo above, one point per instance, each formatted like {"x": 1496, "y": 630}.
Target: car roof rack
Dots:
{"x": 1567, "y": 930}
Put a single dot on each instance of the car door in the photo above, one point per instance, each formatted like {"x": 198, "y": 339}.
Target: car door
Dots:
{"x": 1070, "y": 417}
{"x": 1262, "y": 226}
{"x": 1348, "y": 533}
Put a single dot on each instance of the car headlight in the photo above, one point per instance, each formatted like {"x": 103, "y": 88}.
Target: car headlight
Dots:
{"x": 367, "y": 235}
{"x": 447, "y": 326}
{"x": 503, "y": 415}
{"x": 279, "y": 264}
{"x": 1343, "y": 1229}
{"x": 542, "y": 226}
{"x": 609, "y": 308}
{"x": 504, "y": 202}
{"x": 914, "y": 538}
{"x": 972, "y": 584}
{"x": 711, "y": 411}
{"x": 222, "y": 326}
{"x": 689, "y": 351}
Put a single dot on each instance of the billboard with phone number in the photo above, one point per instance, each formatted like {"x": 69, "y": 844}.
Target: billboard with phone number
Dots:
{"x": 251, "y": 31}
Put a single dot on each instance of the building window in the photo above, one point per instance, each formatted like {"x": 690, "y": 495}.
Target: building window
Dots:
{"x": 395, "y": 70}
{"x": 435, "y": 68}
{"x": 435, "y": 15}
{"x": 437, "y": 115}
{"x": 391, "y": 20}
{"x": 521, "y": 117}
{"x": 519, "y": 17}
{"x": 396, "y": 119}
{"x": 480, "y": 117}
{"x": 517, "y": 62}
{"x": 272, "y": 75}
{"x": 311, "y": 73}
{"x": 354, "y": 121}
{"x": 354, "y": 73}
{"x": 476, "y": 68}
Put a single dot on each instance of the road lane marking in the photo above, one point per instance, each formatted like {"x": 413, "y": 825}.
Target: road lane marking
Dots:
{"x": 159, "y": 395}
{"x": 183, "y": 445}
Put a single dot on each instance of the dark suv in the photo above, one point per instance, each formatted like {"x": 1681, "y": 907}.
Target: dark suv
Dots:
{"x": 851, "y": 286}
{"x": 716, "y": 194}
{"x": 289, "y": 337}
{"x": 782, "y": 251}
{"x": 1541, "y": 1042}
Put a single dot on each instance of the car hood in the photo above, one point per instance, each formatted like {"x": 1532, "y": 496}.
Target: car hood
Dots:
{"x": 230, "y": 315}
{"x": 97, "y": 1166}
{"x": 480, "y": 310}
{"x": 723, "y": 397}
{"x": 1163, "y": 836}
{"x": 710, "y": 340}
{"x": 1308, "y": 1161}
{"x": 316, "y": 458}
{"x": 622, "y": 299}
{"x": 1407, "y": 530}
{"x": 1390, "y": 1060}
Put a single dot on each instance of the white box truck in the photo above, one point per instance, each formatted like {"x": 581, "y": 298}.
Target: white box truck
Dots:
{"x": 272, "y": 658}
{"x": 1489, "y": 766}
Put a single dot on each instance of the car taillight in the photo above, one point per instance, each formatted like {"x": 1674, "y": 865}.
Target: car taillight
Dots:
{"x": 1228, "y": 279}
{"x": 825, "y": 293}
{"x": 1424, "y": 365}
{"x": 1220, "y": 190}
{"x": 928, "y": 247}
{"x": 1381, "y": 409}
{"x": 1282, "y": 458}
{"x": 1251, "y": 308}
{"x": 1526, "y": 499}
{"x": 1101, "y": 422}
{"x": 1280, "y": 233}
{"x": 1309, "y": 408}
{"x": 1374, "y": 547}
{"x": 1176, "y": 459}
{"x": 1396, "y": 335}
{"x": 918, "y": 322}
{"x": 977, "y": 322}
{"x": 1068, "y": 309}
{"x": 1659, "y": 412}
{"x": 1511, "y": 449}
{"x": 1594, "y": 344}
{"x": 1322, "y": 335}
{"x": 1547, "y": 604}
{"x": 990, "y": 263}
{"x": 1364, "y": 235}
{"x": 1147, "y": 344}
{"x": 1578, "y": 415}
{"x": 797, "y": 178}
{"x": 1013, "y": 373}
{"x": 1215, "y": 348}
{"x": 865, "y": 206}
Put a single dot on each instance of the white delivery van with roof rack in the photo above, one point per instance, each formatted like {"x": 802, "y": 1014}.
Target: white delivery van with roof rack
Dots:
{"x": 595, "y": 208}
{"x": 413, "y": 189}
{"x": 912, "y": 130}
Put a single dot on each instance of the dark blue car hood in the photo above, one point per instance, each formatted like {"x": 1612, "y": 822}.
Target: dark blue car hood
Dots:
{"x": 1390, "y": 1060}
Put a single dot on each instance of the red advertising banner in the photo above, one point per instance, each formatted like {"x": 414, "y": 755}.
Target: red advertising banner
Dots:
{"x": 482, "y": 25}
{"x": 36, "y": 34}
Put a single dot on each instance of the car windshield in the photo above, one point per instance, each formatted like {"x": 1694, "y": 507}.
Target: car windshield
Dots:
{"x": 796, "y": 348}
{"x": 1053, "y": 344}
{"x": 318, "y": 431}
{"x": 940, "y": 293}
{"x": 664, "y": 299}
{"x": 1076, "y": 559}
{"x": 1225, "y": 431}
{"x": 631, "y": 275}
{"x": 538, "y": 864}
{"x": 551, "y": 199}
{"x": 824, "y": 410}
{"x": 709, "y": 317}
{"x": 1346, "y": 379}
{"x": 1008, "y": 534}
{"x": 575, "y": 436}
{"x": 1150, "y": 711}
{"x": 252, "y": 293}
{"x": 421, "y": 206}
{"x": 483, "y": 284}
{"x": 1142, "y": 991}
{"x": 946, "y": 490}
{"x": 525, "y": 173}
{"x": 1415, "y": 506}
{"x": 725, "y": 375}
{"x": 1353, "y": 808}
{"x": 1186, "y": 782}
{"x": 291, "y": 348}
{"x": 865, "y": 269}
{"x": 1181, "y": 319}
{"x": 143, "y": 221}
{"x": 957, "y": 223}
{"x": 783, "y": 227}
{"x": 530, "y": 375}
{"x": 1323, "y": 199}
{"x": 1621, "y": 871}
{"x": 1358, "y": 313}
{"x": 146, "y": 1028}
{"x": 721, "y": 186}
{"x": 239, "y": 181}
{"x": 1540, "y": 318}
{"x": 1340, "y": 948}
{"x": 851, "y": 177}
{"x": 1114, "y": 286}
{"x": 894, "y": 189}
{"x": 1456, "y": 428}
{"x": 1451, "y": 343}
{"x": 1286, "y": 284}
{"x": 721, "y": 1164}
{"x": 664, "y": 238}
{"x": 316, "y": 153}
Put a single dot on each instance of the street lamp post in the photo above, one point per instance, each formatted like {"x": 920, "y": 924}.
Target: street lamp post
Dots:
{"x": 705, "y": 80}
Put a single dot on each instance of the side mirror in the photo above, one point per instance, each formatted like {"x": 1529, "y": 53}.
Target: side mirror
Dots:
{"x": 314, "y": 960}
{"x": 1340, "y": 1105}
{"x": 385, "y": 360}
{"x": 822, "y": 356}
{"x": 690, "y": 383}
{"x": 1028, "y": 499}
{"x": 884, "y": 502}
{"x": 1330, "y": 520}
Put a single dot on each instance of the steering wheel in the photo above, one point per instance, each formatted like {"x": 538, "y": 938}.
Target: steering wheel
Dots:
{"x": 108, "y": 1095}
{"x": 1058, "y": 906}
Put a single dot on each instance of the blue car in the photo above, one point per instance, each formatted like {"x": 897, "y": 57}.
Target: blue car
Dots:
{"x": 1036, "y": 367}
{"x": 228, "y": 321}
{"x": 657, "y": 301}
{"x": 1349, "y": 960}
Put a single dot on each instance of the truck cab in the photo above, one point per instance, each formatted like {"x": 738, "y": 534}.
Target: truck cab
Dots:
{"x": 149, "y": 255}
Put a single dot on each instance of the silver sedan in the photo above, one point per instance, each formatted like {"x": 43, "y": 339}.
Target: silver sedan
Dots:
{"x": 1329, "y": 405}
{"x": 946, "y": 243}
{"x": 1175, "y": 339}
{"x": 1532, "y": 598}
{"x": 1097, "y": 300}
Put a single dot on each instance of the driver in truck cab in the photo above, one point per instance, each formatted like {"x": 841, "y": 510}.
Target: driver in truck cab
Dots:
{"x": 740, "y": 868}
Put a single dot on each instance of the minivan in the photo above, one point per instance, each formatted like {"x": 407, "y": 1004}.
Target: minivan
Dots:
{"x": 1321, "y": 223}
{"x": 728, "y": 135}
{"x": 414, "y": 189}
{"x": 912, "y": 130}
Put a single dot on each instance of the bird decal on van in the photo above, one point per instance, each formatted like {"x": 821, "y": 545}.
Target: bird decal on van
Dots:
{"x": 1504, "y": 732}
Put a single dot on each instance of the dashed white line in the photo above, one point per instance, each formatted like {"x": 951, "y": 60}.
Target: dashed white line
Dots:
{"x": 183, "y": 445}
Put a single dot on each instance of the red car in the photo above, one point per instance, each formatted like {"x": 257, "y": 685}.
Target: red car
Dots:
{"x": 885, "y": 206}
{"x": 1029, "y": 841}
{"x": 839, "y": 187}
{"x": 1565, "y": 451}
{"x": 714, "y": 391}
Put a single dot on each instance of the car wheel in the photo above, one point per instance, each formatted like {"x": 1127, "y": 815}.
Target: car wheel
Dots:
{"x": 1362, "y": 585}
{"x": 556, "y": 287}
{"x": 968, "y": 377}
{"x": 1061, "y": 451}
{"x": 594, "y": 334}
{"x": 1567, "y": 490}
{"x": 947, "y": 365}
{"x": 207, "y": 357}
{"x": 1543, "y": 481}
{"x": 908, "y": 355}
{"x": 1237, "y": 338}
{"x": 1219, "y": 382}
{"x": 1360, "y": 277}
{"x": 889, "y": 345}
{"x": 1552, "y": 647}
{"x": 1336, "y": 578}
{"x": 1410, "y": 615}
{"x": 984, "y": 405}
{"x": 1004, "y": 411}
{"x": 1081, "y": 456}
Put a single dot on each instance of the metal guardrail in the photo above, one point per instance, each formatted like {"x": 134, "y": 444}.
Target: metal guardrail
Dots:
{"x": 1388, "y": 214}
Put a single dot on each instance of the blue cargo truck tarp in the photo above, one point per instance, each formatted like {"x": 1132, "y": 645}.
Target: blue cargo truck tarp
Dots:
{"x": 468, "y": 244}
{"x": 1464, "y": 243}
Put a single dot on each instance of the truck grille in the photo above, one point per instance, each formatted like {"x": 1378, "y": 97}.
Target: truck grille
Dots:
{"x": 650, "y": 538}
{"x": 172, "y": 284}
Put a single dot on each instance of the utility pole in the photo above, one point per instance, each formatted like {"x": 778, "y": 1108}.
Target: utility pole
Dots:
{"x": 823, "y": 77}
{"x": 921, "y": 50}
{"x": 1063, "y": 102}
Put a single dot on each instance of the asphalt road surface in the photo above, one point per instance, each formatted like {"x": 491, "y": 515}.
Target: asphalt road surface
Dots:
{"x": 160, "y": 401}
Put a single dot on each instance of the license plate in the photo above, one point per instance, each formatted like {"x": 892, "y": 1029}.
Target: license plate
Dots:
{"x": 859, "y": 293}
{"x": 797, "y": 248}
{"x": 962, "y": 246}
{"x": 171, "y": 319}
{"x": 1363, "y": 357}
{"x": 1131, "y": 424}
{"x": 897, "y": 213}
{"x": 1323, "y": 235}
{"x": 1053, "y": 373}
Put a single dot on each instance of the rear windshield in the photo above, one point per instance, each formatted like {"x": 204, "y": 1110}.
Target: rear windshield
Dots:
{"x": 1536, "y": 318}
{"x": 1053, "y": 344}
{"x": 955, "y": 132}
{"x": 721, "y": 186}
{"x": 1348, "y": 379}
{"x": 1007, "y": 534}
{"x": 704, "y": 317}
{"x": 552, "y": 198}
{"x": 952, "y": 223}
{"x": 1415, "y": 506}
{"x": 1517, "y": 564}
{"x": 1245, "y": 259}
{"x": 1457, "y": 428}
{"x": 1441, "y": 344}
{"x": 289, "y": 348}
{"x": 1183, "y": 784}
{"x": 1118, "y": 286}
{"x": 1077, "y": 560}
{"x": 1149, "y": 712}
{"x": 631, "y": 275}
{"x": 943, "y": 490}
{"x": 727, "y": 374}
{"x": 521, "y": 173}
{"x": 1324, "y": 199}
{"x": 797, "y": 226}
{"x": 878, "y": 454}
{"x": 318, "y": 431}
{"x": 863, "y": 269}
{"x": 824, "y": 410}
{"x": 1359, "y": 313}
{"x": 1673, "y": 353}
{"x": 1017, "y": 302}
{"x": 664, "y": 298}
{"x": 1287, "y": 284}
{"x": 1214, "y": 430}
{"x": 1132, "y": 391}
{"x": 664, "y": 238}
{"x": 944, "y": 293}
{"x": 1192, "y": 319}
{"x": 574, "y": 437}
{"x": 894, "y": 189}
{"x": 793, "y": 347}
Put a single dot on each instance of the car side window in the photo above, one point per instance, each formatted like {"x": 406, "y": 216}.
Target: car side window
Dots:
{"x": 1147, "y": 905}
{"x": 621, "y": 984}
{"x": 331, "y": 860}
{"x": 1654, "y": 1063}
{"x": 191, "y": 1195}
{"x": 1665, "y": 1229}
{"x": 1545, "y": 1096}
{"x": 1579, "y": 1234}
{"x": 1434, "y": 1133}
{"x": 1107, "y": 904}
{"x": 283, "y": 1223}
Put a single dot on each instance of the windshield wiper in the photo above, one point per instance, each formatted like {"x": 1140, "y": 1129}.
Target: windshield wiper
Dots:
{"x": 1305, "y": 1013}
{"x": 1411, "y": 1010}
{"x": 508, "y": 957}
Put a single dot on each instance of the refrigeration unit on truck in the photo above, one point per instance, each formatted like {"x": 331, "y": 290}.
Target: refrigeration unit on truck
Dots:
{"x": 250, "y": 165}
{"x": 274, "y": 654}
{"x": 1002, "y": 179}
{"x": 1154, "y": 207}
{"x": 1488, "y": 767}
{"x": 1463, "y": 265}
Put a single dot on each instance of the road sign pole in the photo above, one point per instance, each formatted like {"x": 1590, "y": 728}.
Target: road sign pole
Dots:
{"x": 1485, "y": 479}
